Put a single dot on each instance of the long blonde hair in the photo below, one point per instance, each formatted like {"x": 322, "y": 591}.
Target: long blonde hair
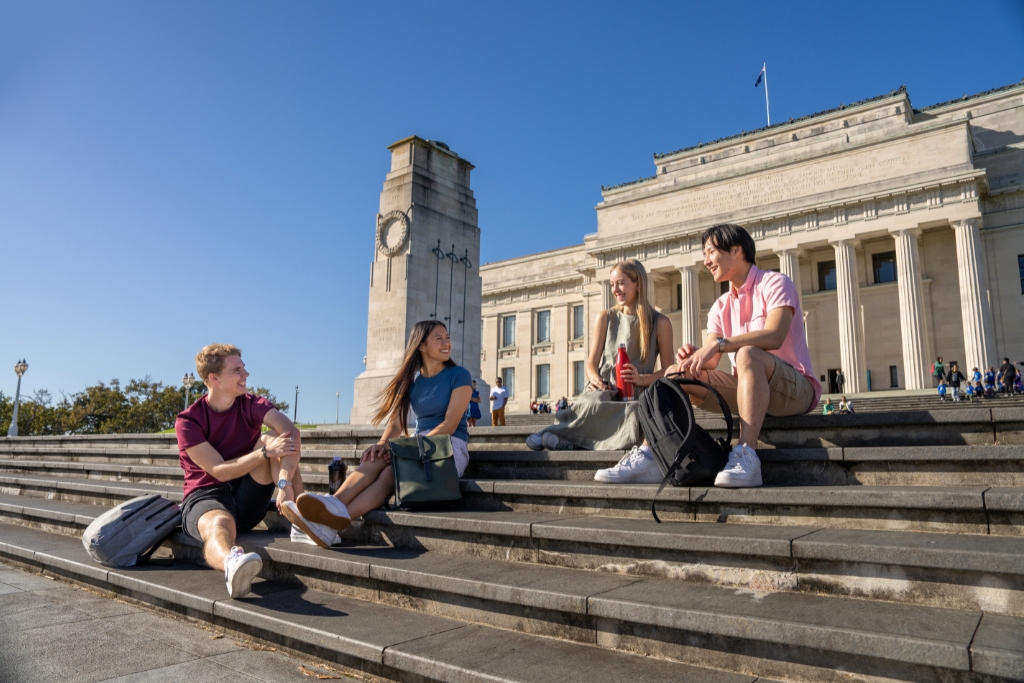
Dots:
{"x": 396, "y": 398}
{"x": 645, "y": 313}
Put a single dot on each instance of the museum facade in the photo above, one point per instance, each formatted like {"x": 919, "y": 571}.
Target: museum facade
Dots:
{"x": 903, "y": 229}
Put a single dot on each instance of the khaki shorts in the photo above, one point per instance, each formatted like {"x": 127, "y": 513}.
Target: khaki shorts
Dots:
{"x": 791, "y": 392}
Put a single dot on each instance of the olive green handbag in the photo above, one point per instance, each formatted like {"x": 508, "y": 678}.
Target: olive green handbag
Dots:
{"x": 426, "y": 477}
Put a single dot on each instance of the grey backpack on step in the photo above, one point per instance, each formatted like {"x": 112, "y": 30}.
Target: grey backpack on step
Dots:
{"x": 132, "y": 530}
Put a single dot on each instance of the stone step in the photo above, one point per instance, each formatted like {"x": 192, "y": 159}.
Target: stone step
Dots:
{"x": 997, "y": 511}
{"x": 985, "y": 465}
{"x": 942, "y": 570}
{"x": 792, "y": 636}
{"x": 376, "y": 639}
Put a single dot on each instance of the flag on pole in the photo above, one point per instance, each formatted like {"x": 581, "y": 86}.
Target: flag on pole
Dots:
{"x": 759, "y": 77}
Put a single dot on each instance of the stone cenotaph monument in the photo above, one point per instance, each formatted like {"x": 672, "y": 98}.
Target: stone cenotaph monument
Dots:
{"x": 425, "y": 265}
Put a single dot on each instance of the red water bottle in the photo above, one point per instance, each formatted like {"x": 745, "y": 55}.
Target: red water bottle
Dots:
{"x": 625, "y": 388}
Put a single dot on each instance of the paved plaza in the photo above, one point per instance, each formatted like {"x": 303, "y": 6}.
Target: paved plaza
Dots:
{"x": 55, "y": 632}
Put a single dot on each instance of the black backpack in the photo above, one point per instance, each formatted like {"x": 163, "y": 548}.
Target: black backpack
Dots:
{"x": 686, "y": 454}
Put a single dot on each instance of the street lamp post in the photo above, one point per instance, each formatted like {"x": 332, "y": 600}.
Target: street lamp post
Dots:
{"x": 187, "y": 381}
{"x": 337, "y": 406}
{"x": 295, "y": 408}
{"x": 19, "y": 368}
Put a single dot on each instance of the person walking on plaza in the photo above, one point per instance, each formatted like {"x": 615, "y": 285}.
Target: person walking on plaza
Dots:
{"x": 499, "y": 397}
{"x": 953, "y": 380}
{"x": 759, "y": 323}
{"x": 232, "y": 471}
{"x": 438, "y": 391}
{"x": 599, "y": 420}
{"x": 938, "y": 370}
{"x": 840, "y": 381}
{"x": 1008, "y": 376}
{"x": 473, "y": 412}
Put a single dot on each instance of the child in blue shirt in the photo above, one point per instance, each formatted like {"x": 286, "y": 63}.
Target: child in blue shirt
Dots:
{"x": 970, "y": 392}
{"x": 942, "y": 390}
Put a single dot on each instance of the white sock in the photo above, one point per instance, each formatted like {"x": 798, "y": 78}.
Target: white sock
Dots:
{"x": 646, "y": 450}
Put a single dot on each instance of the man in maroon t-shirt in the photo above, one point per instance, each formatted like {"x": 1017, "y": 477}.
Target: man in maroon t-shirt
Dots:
{"x": 232, "y": 470}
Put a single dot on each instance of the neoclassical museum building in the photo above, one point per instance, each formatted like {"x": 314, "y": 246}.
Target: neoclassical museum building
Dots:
{"x": 902, "y": 228}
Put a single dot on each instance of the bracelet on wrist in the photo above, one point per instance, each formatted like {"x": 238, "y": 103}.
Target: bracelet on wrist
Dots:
{"x": 263, "y": 449}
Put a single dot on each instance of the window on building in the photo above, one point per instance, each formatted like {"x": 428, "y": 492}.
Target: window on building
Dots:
{"x": 679, "y": 297}
{"x": 508, "y": 380}
{"x": 543, "y": 381}
{"x": 1020, "y": 267}
{"x": 543, "y": 326}
{"x": 577, "y": 322}
{"x": 894, "y": 377}
{"x": 723, "y": 287}
{"x": 508, "y": 330}
{"x": 579, "y": 378}
{"x": 884, "y": 265}
{"x": 826, "y": 275}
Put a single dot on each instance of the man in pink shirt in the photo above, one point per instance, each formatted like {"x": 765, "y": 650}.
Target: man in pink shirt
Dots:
{"x": 760, "y": 325}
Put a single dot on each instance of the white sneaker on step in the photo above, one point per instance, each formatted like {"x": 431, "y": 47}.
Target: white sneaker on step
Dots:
{"x": 742, "y": 471}
{"x": 549, "y": 441}
{"x": 316, "y": 534}
{"x": 636, "y": 467}
{"x": 240, "y": 568}
{"x": 323, "y": 509}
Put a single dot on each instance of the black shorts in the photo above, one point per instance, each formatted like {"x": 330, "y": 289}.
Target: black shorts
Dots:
{"x": 245, "y": 499}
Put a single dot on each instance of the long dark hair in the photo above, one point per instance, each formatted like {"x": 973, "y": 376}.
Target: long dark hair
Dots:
{"x": 395, "y": 399}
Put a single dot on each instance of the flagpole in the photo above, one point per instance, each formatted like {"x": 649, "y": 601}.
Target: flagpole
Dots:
{"x": 767, "y": 110}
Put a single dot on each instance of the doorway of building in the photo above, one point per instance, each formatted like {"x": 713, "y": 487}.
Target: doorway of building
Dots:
{"x": 833, "y": 388}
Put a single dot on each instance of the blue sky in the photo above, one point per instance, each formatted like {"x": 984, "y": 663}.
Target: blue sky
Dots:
{"x": 173, "y": 174}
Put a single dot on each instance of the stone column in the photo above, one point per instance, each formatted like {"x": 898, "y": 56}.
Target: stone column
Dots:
{"x": 979, "y": 340}
{"x": 606, "y": 294}
{"x": 789, "y": 265}
{"x": 689, "y": 305}
{"x": 851, "y": 352}
{"x": 908, "y": 278}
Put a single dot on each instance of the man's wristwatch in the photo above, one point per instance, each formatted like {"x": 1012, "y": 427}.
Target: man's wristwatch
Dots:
{"x": 283, "y": 483}
{"x": 263, "y": 449}
{"x": 721, "y": 344}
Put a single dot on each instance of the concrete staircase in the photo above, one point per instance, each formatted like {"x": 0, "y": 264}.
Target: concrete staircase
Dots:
{"x": 883, "y": 547}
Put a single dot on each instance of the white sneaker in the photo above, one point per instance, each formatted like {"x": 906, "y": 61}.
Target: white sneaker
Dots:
{"x": 240, "y": 568}
{"x": 324, "y": 509}
{"x": 535, "y": 441}
{"x": 317, "y": 534}
{"x": 636, "y": 467}
{"x": 742, "y": 471}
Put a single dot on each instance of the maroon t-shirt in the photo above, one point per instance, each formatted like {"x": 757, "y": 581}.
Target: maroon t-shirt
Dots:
{"x": 233, "y": 434}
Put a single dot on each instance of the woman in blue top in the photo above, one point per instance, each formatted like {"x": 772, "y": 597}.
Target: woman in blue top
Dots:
{"x": 438, "y": 391}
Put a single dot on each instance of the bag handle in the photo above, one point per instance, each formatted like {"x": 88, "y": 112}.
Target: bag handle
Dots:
{"x": 428, "y": 467}
{"x": 678, "y": 380}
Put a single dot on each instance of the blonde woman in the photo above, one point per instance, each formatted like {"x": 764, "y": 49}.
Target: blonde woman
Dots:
{"x": 438, "y": 390}
{"x": 597, "y": 421}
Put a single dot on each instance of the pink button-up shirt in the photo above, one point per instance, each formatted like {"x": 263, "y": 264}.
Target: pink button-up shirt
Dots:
{"x": 746, "y": 310}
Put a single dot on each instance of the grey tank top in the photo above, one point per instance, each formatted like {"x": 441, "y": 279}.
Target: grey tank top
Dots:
{"x": 625, "y": 329}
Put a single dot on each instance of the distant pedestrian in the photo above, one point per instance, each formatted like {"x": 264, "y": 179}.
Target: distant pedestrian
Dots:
{"x": 990, "y": 381}
{"x": 953, "y": 379}
{"x": 499, "y": 397}
{"x": 970, "y": 391}
{"x": 828, "y": 408}
{"x": 473, "y": 412}
{"x": 938, "y": 370}
{"x": 1008, "y": 376}
{"x": 840, "y": 380}
{"x": 942, "y": 389}
{"x": 975, "y": 376}
{"x": 562, "y": 404}
{"x": 845, "y": 406}
{"x": 534, "y": 406}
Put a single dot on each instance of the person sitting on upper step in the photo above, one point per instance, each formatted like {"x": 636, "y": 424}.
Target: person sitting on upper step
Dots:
{"x": 759, "y": 323}
{"x": 232, "y": 471}
{"x": 828, "y": 408}
{"x": 599, "y": 420}
{"x": 437, "y": 390}
{"x": 845, "y": 406}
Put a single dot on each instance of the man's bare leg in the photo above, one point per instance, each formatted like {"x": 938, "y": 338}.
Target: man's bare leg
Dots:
{"x": 217, "y": 529}
{"x": 754, "y": 367}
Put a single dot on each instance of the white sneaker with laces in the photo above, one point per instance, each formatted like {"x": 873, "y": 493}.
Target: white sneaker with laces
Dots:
{"x": 324, "y": 509}
{"x": 636, "y": 467}
{"x": 306, "y": 531}
{"x": 535, "y": 441}
{"x": 742, "y": 471}
{"x": 240, "y": 568}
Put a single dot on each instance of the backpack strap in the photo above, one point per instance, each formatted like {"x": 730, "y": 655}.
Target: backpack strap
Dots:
{"x": 680, "y": 379}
